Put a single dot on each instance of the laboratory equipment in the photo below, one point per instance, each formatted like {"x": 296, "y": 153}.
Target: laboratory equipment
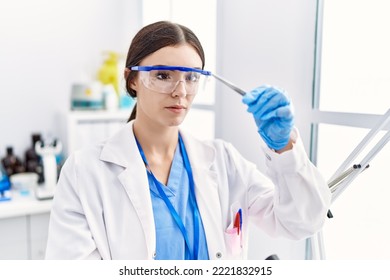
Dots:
{"x": 342, "y": 180}
{"x": 12, "y": 164}
{"x": 108, "y": 72}
{"x": 229, "y": 84}
{"x": 348, "y": 171}
{"x": 126, "y": 101}
{"x": 5, "y": 185}
{"x": 33, "y": 162}
{"x": 111, "y": 100}
{"x": 87, "y": 96}
{"x": 48, "y": 153}
{"x": 24, "y": 183}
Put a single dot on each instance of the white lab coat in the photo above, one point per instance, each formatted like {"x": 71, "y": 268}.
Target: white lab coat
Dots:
{"x": 102, "y": 207}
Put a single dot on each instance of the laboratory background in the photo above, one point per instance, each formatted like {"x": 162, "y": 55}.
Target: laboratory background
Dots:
{"x": 61, "y": 88}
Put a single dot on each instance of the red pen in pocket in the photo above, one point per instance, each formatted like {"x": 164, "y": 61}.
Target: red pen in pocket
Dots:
{"x": 238, "y": 221}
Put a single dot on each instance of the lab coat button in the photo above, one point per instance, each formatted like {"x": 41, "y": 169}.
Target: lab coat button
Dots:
{"x": 154, "y": 255}
{"x": 218, "y": 255}
{"x": 268, "y": 156}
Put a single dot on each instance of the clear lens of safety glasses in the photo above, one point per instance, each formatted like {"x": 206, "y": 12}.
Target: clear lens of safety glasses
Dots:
{"x": 166, "y": 79}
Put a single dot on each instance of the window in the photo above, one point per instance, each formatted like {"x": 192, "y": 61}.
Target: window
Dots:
{"x": 355, "y": 74}
{"x": 352, "y": 92}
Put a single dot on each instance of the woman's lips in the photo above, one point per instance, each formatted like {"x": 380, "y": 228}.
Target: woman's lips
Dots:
{"x": 176, "y": 108}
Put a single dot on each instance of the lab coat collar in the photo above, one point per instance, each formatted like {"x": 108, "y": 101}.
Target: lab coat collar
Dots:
{"x": 121, "y": 149}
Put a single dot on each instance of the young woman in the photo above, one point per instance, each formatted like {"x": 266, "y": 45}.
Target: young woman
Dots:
{"x": 153, "y": 191}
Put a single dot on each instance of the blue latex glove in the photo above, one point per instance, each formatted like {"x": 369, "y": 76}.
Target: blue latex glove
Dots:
{"x": 272, "y": 110}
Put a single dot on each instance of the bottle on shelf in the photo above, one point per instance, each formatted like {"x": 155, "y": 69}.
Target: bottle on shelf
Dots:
{"x": 33, "y": 161}
{"x": 111, "y": 102}
{"x": 12, "y": 163}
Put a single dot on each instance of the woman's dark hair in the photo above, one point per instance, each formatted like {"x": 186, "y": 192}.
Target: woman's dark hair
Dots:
{"x": 153, "y": 37}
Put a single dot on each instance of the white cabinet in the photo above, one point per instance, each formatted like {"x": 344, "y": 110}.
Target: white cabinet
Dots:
{"x": 24, "y": 237}
{"x": 13, "y": 239}
{"x": 89, "y": 127}
{"x": 24, "y": 223}
{"x": 38, "y": 227}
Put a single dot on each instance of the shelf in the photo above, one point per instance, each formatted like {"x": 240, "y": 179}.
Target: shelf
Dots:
{"x": 89, "y": 115}
{"x": 91, "y": 126}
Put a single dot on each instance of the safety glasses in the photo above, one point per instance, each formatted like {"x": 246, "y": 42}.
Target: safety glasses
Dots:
{"x": 165, "y": 79}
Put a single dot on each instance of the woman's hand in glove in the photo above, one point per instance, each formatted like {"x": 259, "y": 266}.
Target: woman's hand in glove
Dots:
{"x": 272, "y": 111}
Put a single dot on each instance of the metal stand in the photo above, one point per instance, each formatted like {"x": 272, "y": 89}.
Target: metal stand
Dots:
{"x": 347, "y": 172}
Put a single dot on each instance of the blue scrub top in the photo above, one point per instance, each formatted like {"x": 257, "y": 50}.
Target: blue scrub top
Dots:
{"x": 170, "y": 244}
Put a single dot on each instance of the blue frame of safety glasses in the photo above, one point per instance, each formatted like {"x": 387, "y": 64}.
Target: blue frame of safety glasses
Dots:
{"x": 166, "y": 67}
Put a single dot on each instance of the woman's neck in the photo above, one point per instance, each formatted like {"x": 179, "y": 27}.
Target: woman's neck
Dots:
{"x": 156, "y": 140}
{"x": 158, "y": 144}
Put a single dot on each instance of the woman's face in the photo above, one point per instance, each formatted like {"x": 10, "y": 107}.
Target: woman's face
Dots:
{"x": 161, "y": 108}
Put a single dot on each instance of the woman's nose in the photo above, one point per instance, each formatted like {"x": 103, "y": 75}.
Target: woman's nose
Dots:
{"x": 180, "y": 89}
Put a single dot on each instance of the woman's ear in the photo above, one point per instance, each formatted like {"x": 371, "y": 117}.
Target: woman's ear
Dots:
{"x": 132, "y": 82}
{"x": 126, "y": 73}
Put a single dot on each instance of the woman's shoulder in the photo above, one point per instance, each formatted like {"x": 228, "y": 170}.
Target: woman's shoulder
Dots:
{"x": 86, "y": 156}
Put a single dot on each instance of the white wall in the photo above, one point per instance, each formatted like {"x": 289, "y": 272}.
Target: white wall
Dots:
{"x": 272, "y": 42}
{"x": 45, "y": 46}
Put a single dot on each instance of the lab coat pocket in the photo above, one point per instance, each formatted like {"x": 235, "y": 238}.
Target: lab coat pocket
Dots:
{"x": 233, "y": 234}
{"x": 233, "y": 243}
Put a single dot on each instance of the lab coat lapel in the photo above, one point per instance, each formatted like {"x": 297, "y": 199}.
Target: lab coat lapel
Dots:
{"x": 202, "y": 157}
{"x": 122, "y": 150}
{"x": 137, "y": 189}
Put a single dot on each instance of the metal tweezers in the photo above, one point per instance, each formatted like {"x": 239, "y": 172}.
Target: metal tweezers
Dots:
{"x": 229, "y": 84}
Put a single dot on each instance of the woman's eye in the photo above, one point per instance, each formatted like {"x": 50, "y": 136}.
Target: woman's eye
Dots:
{"x": 193, "y": 78}
{"x": 163, "y": 76}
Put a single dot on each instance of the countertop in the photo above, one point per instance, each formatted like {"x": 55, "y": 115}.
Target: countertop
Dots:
{"x": 21, "y": 205}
